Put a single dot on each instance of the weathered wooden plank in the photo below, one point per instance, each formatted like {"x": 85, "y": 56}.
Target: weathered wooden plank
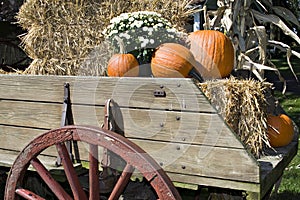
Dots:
{"x": 274, "y": 163}
{"x": 179, "y": 127}
{"x": 195, "y": 160}
{"x": 7, "y": 158}
{"x": 16, "y": 138}
{"x": 30, "y": 114}
{"x": 181, "y": 94}
{"x": 172, "y": 126}
{"x": 35, "y": 88}
{"x": 206, "y": 161}
{"x": 180, "y": 179}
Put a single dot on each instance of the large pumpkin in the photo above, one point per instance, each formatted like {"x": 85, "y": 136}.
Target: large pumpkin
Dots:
{"x": 213, "y": 52}
{"x": 280, "y": 130}
{"x": 172, "y": 60}
{"x": 122, "y": 64}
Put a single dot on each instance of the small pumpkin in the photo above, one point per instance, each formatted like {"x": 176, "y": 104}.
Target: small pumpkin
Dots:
{"x": 213, "y": 52}
{"x": 172, "y": 60}
{"x": 280, "y": 130}
{"x": 122, "y": 64}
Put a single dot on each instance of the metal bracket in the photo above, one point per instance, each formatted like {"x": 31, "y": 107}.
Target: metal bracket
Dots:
{"x": 159, "y": 93}
{"x": 67, "y": 119}
{"x": 113, "y": 121}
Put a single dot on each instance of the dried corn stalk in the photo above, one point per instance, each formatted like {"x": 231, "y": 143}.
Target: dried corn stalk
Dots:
{"x": 245, "y": 21}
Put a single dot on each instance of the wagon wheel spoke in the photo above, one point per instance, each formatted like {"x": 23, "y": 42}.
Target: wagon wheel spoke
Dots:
{"x": 70, "y": 172}
{"x": 55, "y": 187}
{"x": 135, "y": 158}
{"x": 93, "y": 172}
{"x": 26, "y": 194}
{"x": 122, "y": 182}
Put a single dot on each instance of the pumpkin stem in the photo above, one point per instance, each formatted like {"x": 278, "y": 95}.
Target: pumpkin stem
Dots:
{"x": 121, "y": 44}
{"x": 195, "y": 74}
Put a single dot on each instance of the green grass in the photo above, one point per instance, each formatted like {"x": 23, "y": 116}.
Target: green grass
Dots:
{"x": 290, "y": 186}
{"x": 284, "y": 68}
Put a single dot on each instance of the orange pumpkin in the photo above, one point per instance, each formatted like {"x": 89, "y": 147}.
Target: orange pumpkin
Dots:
{"x": 280, "y": 130}
{"x": 213, "y": 52}
{"x": 122, "y": 64}
{"x": 172, "y": 60}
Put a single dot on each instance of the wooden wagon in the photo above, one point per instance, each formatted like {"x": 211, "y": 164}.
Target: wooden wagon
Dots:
{"x": 173, "y": 138}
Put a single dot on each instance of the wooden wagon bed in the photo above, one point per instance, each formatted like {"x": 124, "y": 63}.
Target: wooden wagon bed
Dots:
{"x": 169, "y": 118}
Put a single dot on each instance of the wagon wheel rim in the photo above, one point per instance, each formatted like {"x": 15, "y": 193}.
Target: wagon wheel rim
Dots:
{"x": 133, "y": 155}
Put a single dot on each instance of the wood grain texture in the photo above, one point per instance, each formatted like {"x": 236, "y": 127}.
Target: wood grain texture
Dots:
{"x": 196, "y": 160}
{"x": 181, "y": 94}
{"x": 8, "y": 157}
{"x": 179, "y": 127}
{"x": 183, "y": 119}
{"x": 182, "y": 131}
{"x": 273, "y": 164}
{"x": 183, "y": 127}
{"x": 15, "y": 139}
{"x": 213, "y": 182}
{"x": 30, "y": 114}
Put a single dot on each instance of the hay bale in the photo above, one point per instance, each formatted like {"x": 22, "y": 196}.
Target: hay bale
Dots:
{"x": 244, "y": 106}
{"x": 63, "y": 35}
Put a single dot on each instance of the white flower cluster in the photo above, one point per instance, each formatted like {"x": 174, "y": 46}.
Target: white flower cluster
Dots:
{"x": 141, "y": 31}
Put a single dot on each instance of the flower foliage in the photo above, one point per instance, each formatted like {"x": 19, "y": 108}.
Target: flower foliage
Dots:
{"x": 142, "y": 32}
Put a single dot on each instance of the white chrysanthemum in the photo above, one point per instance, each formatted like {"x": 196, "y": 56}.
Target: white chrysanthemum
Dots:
{"x": 115, "y": 20}
{"x": 127, "y": 36}
{"x": 113, "y": 32}
{"x": 122, "y": 26}
{"x": 139, "y": 29}
{"x": 124, "y": 16}
{"x": 141, "y": 38}
{"x": 139, "y": 24}
{"x": 131, "y": 19}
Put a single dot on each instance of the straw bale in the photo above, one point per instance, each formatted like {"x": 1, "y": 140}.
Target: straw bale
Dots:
{"x": 244, "y": 106}
{"x": 63, "y": 35}
{"x": 3, "y": 72}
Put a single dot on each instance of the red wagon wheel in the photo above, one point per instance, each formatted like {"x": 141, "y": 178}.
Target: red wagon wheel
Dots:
{"x": 135, "y": 159}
